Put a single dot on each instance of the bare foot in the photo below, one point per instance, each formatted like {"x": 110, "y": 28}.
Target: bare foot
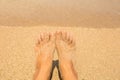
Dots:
{"x": 44, "y": 49}
{"x": 66, "y": 46}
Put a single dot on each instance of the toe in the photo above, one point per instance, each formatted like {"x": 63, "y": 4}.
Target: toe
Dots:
{"x": 68, "y": 38}
{"x": 58, "y": 35}
{"x": 38, "y": 40}
{"x": 64, "y": 35}
{"x": 41, "y": 37}
{"x": 73, "y": 42}
{"x": 46, "y": 37}
{"x": 52, "y": 37}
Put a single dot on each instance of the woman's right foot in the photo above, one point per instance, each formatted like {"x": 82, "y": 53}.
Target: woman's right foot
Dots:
{"x": 65, "y": 47}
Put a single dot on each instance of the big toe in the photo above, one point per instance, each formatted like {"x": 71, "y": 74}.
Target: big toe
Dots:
{"x": 52, "y": 37}
{"x": 58, "y": 35}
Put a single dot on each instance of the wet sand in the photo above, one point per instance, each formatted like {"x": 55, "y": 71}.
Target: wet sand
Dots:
{"x": 98, "y": 52}
{"x": 81, "y": 13}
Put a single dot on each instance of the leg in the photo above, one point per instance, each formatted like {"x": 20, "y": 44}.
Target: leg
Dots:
{"x": 44, "y": 49}
{"x": 66, "y": 47}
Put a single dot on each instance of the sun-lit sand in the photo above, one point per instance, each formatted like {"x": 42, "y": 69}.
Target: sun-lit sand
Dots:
{"x": 94, "y": 23}
{"x": 98, "y": 52}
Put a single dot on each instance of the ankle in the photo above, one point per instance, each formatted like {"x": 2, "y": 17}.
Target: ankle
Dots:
{"x": 44, "y": 73}
{"x": 67, "y": 69}
{"x": 65, "y": 66}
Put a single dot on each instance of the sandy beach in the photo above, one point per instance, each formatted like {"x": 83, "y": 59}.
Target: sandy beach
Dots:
{"x": 98, "y": 52}
{"x": 94, "y": 24}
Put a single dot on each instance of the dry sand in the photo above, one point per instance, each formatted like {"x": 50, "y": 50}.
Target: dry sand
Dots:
{"x": 98, "y": 52}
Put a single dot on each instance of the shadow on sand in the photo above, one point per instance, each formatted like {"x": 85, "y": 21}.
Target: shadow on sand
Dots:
{"x": 55, "y": 64}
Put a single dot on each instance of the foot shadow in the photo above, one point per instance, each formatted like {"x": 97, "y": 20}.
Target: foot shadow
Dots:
{"x": 55, "y": 64}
